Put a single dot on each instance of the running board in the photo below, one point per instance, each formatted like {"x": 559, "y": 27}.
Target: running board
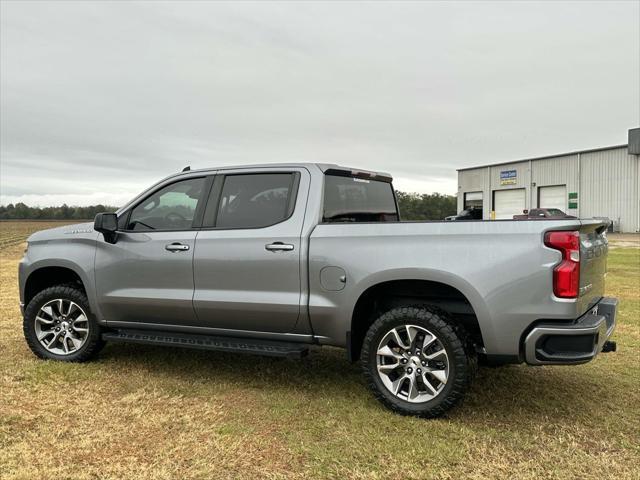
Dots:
{"x": 207, "y": 342}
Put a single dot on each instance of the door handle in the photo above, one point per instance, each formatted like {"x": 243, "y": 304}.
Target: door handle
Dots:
{"x": 279, "y": 247}
{"x": 176, "y": 247}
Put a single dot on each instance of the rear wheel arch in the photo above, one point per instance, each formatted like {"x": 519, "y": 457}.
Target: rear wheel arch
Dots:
{"x": 386, "y": 295}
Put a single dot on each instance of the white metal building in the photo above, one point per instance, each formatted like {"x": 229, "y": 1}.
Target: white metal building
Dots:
{"x": 601, "y": 182}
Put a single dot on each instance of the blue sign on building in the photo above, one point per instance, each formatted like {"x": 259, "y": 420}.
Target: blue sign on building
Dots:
{"x": 508, "y": 177}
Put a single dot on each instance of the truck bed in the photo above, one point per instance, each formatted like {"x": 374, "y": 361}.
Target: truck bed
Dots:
{"x": 503, "y": 268}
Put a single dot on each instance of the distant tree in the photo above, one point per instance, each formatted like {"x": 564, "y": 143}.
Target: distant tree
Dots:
{"x": 425, "y": 206}
{"x": 20, "y": 211}
{"x": 413, "y": 206}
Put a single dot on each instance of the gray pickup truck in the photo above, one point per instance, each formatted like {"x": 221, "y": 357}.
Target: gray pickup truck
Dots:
{"x": 271, "y": 259}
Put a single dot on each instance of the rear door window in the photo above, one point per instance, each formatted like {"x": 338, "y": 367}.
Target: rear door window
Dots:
{"x": 253, "y": 201}
{"x": 351, "y": 199}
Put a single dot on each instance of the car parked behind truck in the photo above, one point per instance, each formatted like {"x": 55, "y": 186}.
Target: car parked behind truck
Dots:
{"x": 271, "y": 259}
{"x": 471, "y": 213}
{"x": 540, "y": 213}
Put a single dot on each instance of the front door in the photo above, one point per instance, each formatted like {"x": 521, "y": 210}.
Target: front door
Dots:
{"x": 248, "y": 253}
{"x": 146, "y": 277}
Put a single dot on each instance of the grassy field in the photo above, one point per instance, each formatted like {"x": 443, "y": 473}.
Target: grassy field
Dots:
{"x": 14, "y": 232}
{"x": 143, "y": 412}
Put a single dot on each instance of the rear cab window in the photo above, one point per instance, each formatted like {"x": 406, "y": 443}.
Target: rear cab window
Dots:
{"x": 352, "y": 199}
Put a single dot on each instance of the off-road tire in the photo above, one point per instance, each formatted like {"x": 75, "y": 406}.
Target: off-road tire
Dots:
{"x": 460, "y": 351}
{"x": 93, "y": 343}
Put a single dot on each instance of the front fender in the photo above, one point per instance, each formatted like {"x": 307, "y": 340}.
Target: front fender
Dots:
{"x": 77, "y": 256}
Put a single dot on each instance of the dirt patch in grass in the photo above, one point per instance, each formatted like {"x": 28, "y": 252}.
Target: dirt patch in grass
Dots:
{"x": 144, "y": 412}
{"x": 621, "y": 240}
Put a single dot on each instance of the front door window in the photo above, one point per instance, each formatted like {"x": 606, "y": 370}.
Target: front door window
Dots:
{"x": 170, "y": 208}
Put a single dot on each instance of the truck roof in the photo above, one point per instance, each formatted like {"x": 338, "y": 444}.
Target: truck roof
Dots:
{"x": 324, "y": 167}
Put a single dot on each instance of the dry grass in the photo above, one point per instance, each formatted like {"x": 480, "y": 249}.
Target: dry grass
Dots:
{"x": 143, "y": 412}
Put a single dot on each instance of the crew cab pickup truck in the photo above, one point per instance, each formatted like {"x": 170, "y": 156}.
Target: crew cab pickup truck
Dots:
{"x": 271, "y": 259}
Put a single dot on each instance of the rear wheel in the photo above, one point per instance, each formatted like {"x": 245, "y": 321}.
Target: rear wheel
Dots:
{"x": 416, "y": 361}
{"x": 58, "y": 325}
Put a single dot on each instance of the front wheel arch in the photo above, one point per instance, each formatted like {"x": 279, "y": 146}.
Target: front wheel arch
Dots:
{"x": 50, "y": 276}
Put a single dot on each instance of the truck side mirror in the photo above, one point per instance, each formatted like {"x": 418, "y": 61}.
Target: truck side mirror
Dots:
{"x": 107, "y": 224}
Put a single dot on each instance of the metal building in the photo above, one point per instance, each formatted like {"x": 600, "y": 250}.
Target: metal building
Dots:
{"x": 601, "y": 182}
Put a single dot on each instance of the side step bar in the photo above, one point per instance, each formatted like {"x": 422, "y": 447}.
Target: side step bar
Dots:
{"x": 207, "y": 342}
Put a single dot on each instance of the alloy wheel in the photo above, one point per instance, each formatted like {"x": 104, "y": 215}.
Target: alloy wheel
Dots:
{"x": 62, "y": 326}
{"x": 412, "y": 363}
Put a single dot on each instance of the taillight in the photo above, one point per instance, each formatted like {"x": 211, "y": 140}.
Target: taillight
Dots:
{"x": 566, "y": 275}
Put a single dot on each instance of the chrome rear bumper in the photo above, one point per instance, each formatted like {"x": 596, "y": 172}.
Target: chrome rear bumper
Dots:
{"x": 574, "y": 343}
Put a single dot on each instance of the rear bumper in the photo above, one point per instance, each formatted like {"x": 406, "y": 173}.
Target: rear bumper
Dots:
{"x": 573, "y": 343}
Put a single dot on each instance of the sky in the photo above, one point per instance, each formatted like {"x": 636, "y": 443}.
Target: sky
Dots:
{"x": 98, "y": 100}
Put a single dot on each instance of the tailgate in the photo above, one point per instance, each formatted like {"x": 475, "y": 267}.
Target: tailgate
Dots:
{"x": 594, "y": 248}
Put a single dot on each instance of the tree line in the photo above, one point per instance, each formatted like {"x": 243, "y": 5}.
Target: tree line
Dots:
{"x": 20, "y": 211}
{"x": 426, "y": 206}
{"x": 413, "y": 206}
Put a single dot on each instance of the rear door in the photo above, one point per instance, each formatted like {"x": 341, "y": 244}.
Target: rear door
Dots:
{"x": 146, "y": 277}
{"x": 247, "y": 256}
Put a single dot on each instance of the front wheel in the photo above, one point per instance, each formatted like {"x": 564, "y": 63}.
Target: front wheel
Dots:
{"x": 58, "y": 325}
{"x": 417, "y": 362}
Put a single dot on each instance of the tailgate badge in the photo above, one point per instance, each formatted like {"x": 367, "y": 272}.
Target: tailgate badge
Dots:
{"x": 585, "y": 289}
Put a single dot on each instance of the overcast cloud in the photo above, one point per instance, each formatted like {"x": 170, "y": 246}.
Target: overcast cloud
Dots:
{"x": 100, "y": 99}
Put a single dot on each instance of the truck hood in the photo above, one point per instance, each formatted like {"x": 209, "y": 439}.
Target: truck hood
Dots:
{"x": 66, "y": 232}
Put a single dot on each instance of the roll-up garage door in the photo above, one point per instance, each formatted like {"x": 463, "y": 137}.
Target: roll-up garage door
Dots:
{"x": 508, "y": 203}
{"x": 473, "y": 199}
{"x": 553, "y": 197}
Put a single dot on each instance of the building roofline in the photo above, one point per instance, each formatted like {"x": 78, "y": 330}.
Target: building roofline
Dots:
{"x": 576, "y": 152}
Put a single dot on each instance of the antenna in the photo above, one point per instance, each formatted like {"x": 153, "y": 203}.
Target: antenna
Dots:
{"x": 186, "y": 169}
